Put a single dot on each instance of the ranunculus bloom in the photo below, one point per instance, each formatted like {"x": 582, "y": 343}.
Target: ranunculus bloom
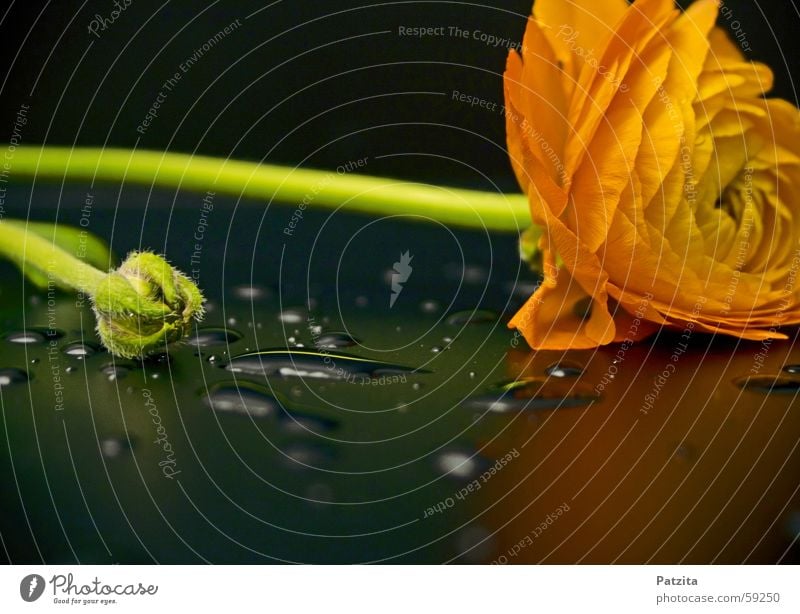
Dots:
{"x": 666, "y": 185}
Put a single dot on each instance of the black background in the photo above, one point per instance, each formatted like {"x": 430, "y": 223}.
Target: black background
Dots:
{"x": 301, "y": 82}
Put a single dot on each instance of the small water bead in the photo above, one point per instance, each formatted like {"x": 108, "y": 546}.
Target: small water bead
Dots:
{"x": 113, "y": 447}
{"x": 793, "y": 369}
{"x": 34, "y": 334}
{"x": 472, "y": 375}
{"x": 302, "y": 455}
{"x": 9, "y": 376}
{"x": 564, "y": 369}
{"x": 436, "y": 349}
{"x": 116, "y": 371}
{"x": 232, "y": 321}
{"x": 460, "y": 464}
{"x": 80, "y": 349}
{"x": 303, "y": 423}
{"x": 475, "y": 544}
{"x": 416, "y": 386}
{"x": 70, "y": 369}
{"x": 206, "y": 337}
{"x": 313, "y": 365}
{"x": 319, "y": 493}
{"x": 478, "y": 316}
{"x": 333, "y": 340}
{"x": 293, "y": 316}
{"x": 532, "y": 394}
{"x": 250, "y": 293}
{"x": 430, "y": 306}
{"x": 241, "y": 398}
{"x": 35, "y": 361}
{"x": 778, "y": 384}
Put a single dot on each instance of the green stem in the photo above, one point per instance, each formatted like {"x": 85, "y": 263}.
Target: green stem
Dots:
{"x": 319, "y": 189}
{"x": 56, "y": 264}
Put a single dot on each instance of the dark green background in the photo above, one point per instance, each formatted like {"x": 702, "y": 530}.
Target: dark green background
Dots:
{"x": 244, "y": 97}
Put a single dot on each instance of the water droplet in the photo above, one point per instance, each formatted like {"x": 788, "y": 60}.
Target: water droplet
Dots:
{"x": 319, "y": 493}
{"x": 113, "y": 447}
{"x": 792, "y": 525}
{"x": 311, "y": 455}
{"x": 779, "y": 384}
{"x": 684, "y": 452}
{"x": 116, "y": 371}
{"x": 534, "y": 393}
{"x": 206, "y": 337}
{"x": 460, "y": 464}
{"x": 303, "y": 423}
{"x": 10, "y": 376}
{"x": 312, "y": 365}
{"x": 793, "y": 369}
{"x": 250, "y": 293}
{"x": 293, "y": 316}
{"x": 430, "y": 306}
{"x": 436, "y": 349}
{"x": 233, "y": 322}
{"x": 477, "y": 316}
{"x": 564, "y": 369}
{"x": 472, "y": 375}
{"x": 470, "y": 273}
{"x": 80, "y": 349}
{"x": 416, "y": 386}
{"x": 333, "y": 340}
{"x": 34, "y": 334}
{"x": 70, "y": 369}
{"x": 242, "y": 398}
{"x": 583, "y": 308}
{"x": 35, "y": 361}
{"x": 475, "y": 544}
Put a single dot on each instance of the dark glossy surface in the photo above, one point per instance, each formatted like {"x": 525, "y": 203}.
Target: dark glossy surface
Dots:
{"x": 495, "y": 453}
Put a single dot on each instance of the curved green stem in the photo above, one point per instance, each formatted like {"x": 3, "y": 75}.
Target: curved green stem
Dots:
{"x": 53, "y": 263}
{"x": 140, "y": 308}
{"x": 353, "y": 192}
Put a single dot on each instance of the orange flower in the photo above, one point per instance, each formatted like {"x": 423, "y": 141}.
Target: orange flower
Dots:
{"x": 667, "y": 187}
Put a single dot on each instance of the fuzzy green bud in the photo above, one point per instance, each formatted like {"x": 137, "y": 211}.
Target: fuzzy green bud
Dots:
{"x": 145, "y": 305}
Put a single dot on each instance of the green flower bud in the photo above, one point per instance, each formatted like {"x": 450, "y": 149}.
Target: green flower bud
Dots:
{"x": 144, "y": 305}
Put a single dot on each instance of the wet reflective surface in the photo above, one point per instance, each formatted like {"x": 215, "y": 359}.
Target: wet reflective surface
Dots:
{"x": 308, "y": 420}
